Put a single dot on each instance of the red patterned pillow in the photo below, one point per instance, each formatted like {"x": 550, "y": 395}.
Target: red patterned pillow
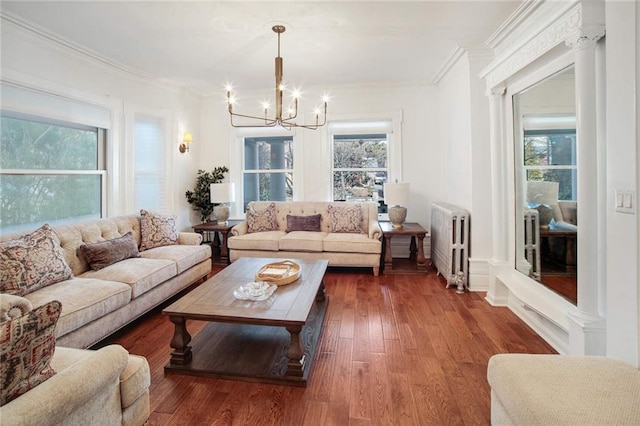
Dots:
{"x": 157, "y": 230}
{"x": 347, "y": 218}
{"x": 31, "y": 262}
{"x": 262, "y": 220}
{"x": 27, "y": 344}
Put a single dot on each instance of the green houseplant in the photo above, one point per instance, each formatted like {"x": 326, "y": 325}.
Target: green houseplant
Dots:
{"x": 199, "y": 197}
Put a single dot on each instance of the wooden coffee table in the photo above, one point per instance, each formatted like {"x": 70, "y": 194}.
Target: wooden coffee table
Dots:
{"x": 271, "y": 341}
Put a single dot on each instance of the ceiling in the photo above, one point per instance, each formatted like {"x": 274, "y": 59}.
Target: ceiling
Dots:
{"x": 203, "y": 45}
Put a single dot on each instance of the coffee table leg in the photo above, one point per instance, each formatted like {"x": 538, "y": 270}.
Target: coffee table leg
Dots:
{"x": 321, "y": 293}
{"x": 295, "y": 366}
{"x": 181, "y": 354}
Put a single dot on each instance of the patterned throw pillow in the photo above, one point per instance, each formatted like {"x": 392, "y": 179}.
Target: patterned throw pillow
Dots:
{"x": 157, "y": 230}
{"x": 31, "y": 262}
{"x": 304, "y": 223}
{"x": 262, "y": 220}
{"x": 27, "y": 344}
{"x": 346, "y": 219}
{"x": 105, "y": 253}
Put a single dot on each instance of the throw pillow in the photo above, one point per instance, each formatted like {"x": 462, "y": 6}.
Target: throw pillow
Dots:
{"x": 304, "y": 223}
{"x": 262, "y": 220}
{"x": 105, "y": 253}
{"x": 346, "y": 218}
{"x": 27, "y": 344}
{"x": 157, "y": 230}
{"x": 31, "y": 262}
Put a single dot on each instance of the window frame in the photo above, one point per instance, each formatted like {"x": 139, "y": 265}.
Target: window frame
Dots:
{"x": 389, "y": 123}
{"x": 100, "y": 171}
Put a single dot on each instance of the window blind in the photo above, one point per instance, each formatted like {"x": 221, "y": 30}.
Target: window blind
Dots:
{"x": 149, "y": 164}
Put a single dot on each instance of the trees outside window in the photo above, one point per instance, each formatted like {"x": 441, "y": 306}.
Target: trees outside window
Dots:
{"x": 360, "y": 166}
{"x": 550, "y": 155}
{"x": 50, "y": 171}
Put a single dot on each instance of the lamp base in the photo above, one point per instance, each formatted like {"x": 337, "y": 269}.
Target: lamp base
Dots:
{"x": 397, "y": 216}
{"x": 221, "y": 213}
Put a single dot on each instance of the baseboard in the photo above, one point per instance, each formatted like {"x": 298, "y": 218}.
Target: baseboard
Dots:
{"x": 479, "y": 274}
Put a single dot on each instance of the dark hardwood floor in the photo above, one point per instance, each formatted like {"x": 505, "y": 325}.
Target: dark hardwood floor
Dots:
{"x": 395, "y": 350}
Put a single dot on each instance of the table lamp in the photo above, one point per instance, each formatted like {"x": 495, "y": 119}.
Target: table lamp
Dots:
{"x": 396, "y": 195}
{"x": 220, "y": 194}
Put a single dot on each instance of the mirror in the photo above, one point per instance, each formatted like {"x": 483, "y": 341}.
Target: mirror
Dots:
{"x": 546, "y": 182}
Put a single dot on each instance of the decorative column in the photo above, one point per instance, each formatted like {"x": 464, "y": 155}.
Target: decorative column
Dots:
{"x": 586, "y": 326}
{"x": 497, "y": 294}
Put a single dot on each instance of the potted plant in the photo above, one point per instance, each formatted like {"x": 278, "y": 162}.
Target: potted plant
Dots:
{"x": 199, "y": 197}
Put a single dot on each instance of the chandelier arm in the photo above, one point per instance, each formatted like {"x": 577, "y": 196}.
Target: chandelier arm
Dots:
{"x": 253, "y": 117}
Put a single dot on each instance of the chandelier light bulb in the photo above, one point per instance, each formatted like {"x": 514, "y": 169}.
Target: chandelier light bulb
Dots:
{"x": 277, "y": 119}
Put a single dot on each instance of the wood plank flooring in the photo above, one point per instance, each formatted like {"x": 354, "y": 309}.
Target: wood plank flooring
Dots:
{"x": 395, "y": 350}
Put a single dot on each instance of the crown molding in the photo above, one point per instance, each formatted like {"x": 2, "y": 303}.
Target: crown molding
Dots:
{"x": 514, "y": 20}
{"x": 525, "y": 51}
{"x": 455, "y": 55}
{"x": 87, "y": 54}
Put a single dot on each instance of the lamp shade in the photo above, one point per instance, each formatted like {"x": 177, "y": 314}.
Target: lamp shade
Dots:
{"x": 187, "y": 138}
{"x": 396, "y": 193}
{"x": 222, "y": 193}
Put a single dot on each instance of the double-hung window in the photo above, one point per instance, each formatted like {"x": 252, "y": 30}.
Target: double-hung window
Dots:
{"x": 550, "y": 155}
{"x": 365, "y": 153}
{"x": 50, "y": 171}
{"x": 360, "y": 166}
{"x": 149, "y": 163}
{"x": 267, "y": 169}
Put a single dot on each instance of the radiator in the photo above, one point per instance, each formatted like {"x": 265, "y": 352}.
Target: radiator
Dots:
{"x": 532, "y": 242}
{"x": 450, "y": 243}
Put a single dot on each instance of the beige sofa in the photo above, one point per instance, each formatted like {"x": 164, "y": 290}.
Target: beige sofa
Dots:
{"x": 103, "y": 387}
{"x": 563, "y": 390}
{"x": 358, "y": 249}
{"x": 96, "y": 303}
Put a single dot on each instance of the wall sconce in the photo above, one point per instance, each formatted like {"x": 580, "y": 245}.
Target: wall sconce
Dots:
{"x": 187, "y": 139}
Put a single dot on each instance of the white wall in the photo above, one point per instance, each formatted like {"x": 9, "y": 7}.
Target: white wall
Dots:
{"x": 623, "y": 151}
{"x": 455, "y": 134}
{"x": 421, "y": 158}
{"x": 37, "y": 62}
{"x": 466, "y": 151}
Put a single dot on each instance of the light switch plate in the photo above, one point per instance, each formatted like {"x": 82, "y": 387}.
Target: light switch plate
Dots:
{"x": 625, "y": 201}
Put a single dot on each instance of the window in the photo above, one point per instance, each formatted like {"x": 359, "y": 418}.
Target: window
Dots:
{"x": 268, "y": 169}
{"x": 360, "y": 166}
{"x": 149, "y": 164}
{"x": 550, "y": 155}
{"x": 50, "y": 171}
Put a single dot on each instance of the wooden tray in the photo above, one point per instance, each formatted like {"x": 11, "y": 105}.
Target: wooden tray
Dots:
{"x": 279, "y": 273}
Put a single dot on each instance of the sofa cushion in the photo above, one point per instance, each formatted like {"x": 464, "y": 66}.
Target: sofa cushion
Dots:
{"x": 184, "y": 256}
{"x": 134, "y": 380}
{"x": 157, "y": 230}
{"x": 32, "y": 261}
{"x": 304, "y": 223}
{"x": 27, "y": 344}
{"x": 351, "y": 243}
{"x": 262, "y": 220}
{"x": 346, "y": 218}
{"x": 140, "y": 273}
{"x": 105, "y": 253}
{"x": 268, "y": 240}
{"x": 302, "y": 241}
{"x": 83, "y": 300}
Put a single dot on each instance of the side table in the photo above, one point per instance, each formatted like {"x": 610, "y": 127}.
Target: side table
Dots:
{"x": 219, "y": 241}
{"x": 416, "y": 250}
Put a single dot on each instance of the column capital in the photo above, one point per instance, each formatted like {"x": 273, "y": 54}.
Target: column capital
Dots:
{"x": 495, "y": 92}
{"x": 584, "y": 37}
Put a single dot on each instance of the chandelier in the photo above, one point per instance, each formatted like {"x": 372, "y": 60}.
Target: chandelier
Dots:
{"x": 278, "y": 119}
